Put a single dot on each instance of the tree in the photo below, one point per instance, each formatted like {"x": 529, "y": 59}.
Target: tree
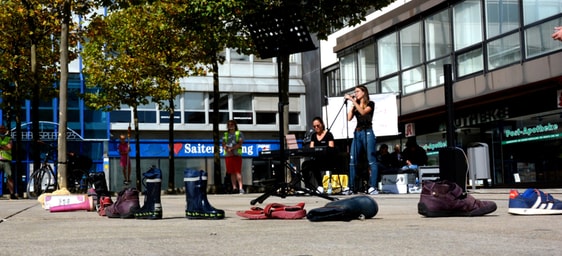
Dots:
{"x": 27, "y": 62}
{"x": 136, "y": 55}
{"x": 221, "y": 23}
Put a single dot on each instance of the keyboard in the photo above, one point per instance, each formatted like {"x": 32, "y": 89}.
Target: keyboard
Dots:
{"x": 301, "y": 152}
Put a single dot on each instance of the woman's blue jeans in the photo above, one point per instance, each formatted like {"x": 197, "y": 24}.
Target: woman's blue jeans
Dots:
{"x": 364, "y": 141}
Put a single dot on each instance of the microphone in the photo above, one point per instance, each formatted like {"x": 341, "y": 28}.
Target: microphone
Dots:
{"x": 308, "y": 136}
{"x": 352, "y": 94}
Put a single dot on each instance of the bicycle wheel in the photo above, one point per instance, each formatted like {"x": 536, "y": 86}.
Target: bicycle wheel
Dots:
{"x": 77, "y": 181}
{"x": 41, "y": 181}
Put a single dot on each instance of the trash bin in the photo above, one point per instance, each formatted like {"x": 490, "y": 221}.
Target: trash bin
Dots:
{"x": 479, "y": 162}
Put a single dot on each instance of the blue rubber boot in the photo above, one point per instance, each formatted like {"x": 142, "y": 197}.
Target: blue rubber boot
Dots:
{"x": 152, "y": 207}
{"x": 198, "y": 206}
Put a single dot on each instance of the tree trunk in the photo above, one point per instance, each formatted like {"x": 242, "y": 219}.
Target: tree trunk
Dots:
{"x": 61, "y": 147}
{"x": 172, "y": 166}
{"x": 216, "y": 119}
{"x": 137, "y": 149}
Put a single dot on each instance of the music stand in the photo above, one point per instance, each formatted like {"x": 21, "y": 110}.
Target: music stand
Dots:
{"x": 279, "y": 33}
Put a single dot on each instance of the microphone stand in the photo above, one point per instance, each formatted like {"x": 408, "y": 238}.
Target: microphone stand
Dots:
{"x": 346, "y": 136}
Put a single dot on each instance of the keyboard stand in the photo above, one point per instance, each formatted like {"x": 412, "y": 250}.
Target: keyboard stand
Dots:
{"x": 283, "y": 189}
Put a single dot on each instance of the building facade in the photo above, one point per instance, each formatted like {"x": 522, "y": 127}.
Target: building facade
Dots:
{"x": 506, "y": 73}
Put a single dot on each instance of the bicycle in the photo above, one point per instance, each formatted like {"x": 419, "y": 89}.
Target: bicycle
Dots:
{"x": 78, "y": 173}
{"x": 42, "y": 180}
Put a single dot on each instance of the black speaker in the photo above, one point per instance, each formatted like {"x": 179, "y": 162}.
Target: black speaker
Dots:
{"x": 453, "y": 165}
{"x": 265, "y": 172}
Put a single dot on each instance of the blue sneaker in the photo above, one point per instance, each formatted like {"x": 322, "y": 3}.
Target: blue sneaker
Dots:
{"x": 533, "y": 202}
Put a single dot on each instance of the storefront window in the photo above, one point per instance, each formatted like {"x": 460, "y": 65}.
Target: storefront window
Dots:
{"x": 438, "y": 35}
{"x": 388, "y": 54}
{"x": 501, "y": 16}
{"x": 367, "y": 65}
{"x": 504, "y": 51}
{"x": 411, "y": 47}
{"x": 467, "y": 21}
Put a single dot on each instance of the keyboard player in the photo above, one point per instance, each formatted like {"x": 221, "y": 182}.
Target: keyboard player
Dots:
{"x": 312, "y": 169}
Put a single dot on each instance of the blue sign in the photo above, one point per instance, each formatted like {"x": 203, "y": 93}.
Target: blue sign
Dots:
{"x": 194, "y": 148}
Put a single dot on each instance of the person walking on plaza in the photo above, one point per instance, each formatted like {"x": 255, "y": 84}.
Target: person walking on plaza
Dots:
{"x": 364, "y": 140}
{"x": 125, "y": 161}
{"x": 232, "y": 145}
{"x": 6, "y": 159}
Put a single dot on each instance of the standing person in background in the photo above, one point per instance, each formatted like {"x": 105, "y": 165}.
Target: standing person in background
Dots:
{"x": 232, "y": 145}
{"x": 125, "y": 161}
{"x": 6, "y": 159}
{"x": 364, "y": 140}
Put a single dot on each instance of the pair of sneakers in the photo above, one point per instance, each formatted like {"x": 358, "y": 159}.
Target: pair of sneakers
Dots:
{"x": 533, "y": 202}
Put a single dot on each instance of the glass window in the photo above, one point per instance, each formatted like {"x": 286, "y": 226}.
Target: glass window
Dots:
{"x": 166, "y": 103}
{"x": 348, "y": 71}
{"x": 438, "y": 35}
{"x": 242, "y": 101}
{"x": 243, "y": 117}
{"x": 194, "y": 100}
{"x": 194, "y": 103}
{"x": 333, "y": 83}
{"x": 293, "y": 118}
{"x": 147, "y": 117}
{"x": 223, "y": 117}
{"x": 266, "y": 118}
{"x": 412, "y": 80}
{"x": 535, "y": 10}
{"x": 73, "y": 100}
{"x": 504, "y": 51}
{"x": 120, "y": 116}
{"x": 538, "y": 39}
{"x": 165, "y": 117}
{"x": 470, "y": 62}
{"x": 467, "y": 20}
{"x": 258, "y": 59}
{"x": 194, "y": 117}
{"x": 235, "y": 56}
{"x": 388, "y": 54}
{"x": 149, "y": 106}
{"x": 411, "y": 48}
{"x": 367, "y": 65}
{"x": 223, "y": 101}
{"x": 390, "y": 85}
{"x": 242, "y": 108}
{"x": 435, "y": 71}
{"x": 501, "y": 16}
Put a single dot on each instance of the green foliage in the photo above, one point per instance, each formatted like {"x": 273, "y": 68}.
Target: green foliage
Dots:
{"x": 23, "y": 24}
